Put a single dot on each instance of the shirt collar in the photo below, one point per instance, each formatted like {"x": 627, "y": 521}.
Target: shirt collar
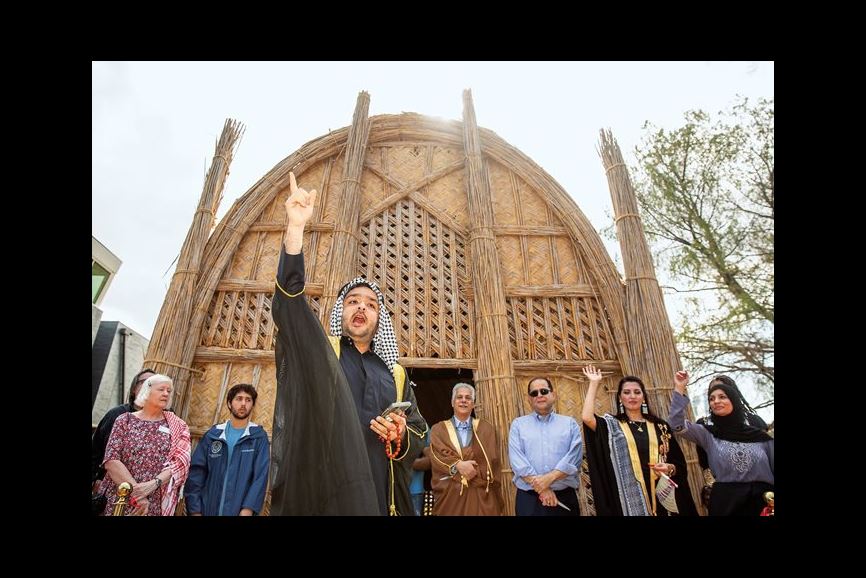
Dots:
{"x": 462, "y": 424}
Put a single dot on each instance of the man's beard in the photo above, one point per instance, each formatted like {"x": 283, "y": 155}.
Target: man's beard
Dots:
{"x": 359, "y": 332}
{"x": 236, "y": 416}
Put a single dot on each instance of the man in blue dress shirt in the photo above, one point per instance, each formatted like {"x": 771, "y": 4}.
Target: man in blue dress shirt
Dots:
{"x": 545, "y": 450}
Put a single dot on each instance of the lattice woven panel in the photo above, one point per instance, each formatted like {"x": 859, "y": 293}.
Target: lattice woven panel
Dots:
{"x": 421, "y": 266}
{"x": 242, "y": 320}
{"x": 558, "y": 328}
{"x": 239, "y": 320}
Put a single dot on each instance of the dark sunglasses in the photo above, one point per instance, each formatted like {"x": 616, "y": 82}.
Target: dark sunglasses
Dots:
{"x": 542, "y": 391}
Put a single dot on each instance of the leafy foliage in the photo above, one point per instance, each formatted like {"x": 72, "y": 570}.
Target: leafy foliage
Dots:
{"x": 706, "y": 194}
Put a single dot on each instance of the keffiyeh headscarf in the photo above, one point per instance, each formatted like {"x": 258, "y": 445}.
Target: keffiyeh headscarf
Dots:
{"x": 384, "y": 342}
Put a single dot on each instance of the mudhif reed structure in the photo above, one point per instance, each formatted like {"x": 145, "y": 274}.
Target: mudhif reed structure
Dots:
{"x": 491, "y": 271}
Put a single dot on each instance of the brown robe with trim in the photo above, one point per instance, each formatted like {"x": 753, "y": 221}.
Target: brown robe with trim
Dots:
{"x": 477, "y": 499}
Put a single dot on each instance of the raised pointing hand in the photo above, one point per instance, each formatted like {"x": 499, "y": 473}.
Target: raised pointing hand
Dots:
{"x": 299, "y": 205}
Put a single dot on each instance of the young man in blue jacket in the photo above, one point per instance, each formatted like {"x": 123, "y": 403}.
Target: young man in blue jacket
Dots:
{"x": 229, "y": 471}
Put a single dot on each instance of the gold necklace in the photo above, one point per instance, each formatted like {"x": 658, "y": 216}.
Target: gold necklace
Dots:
{"x": 637, "y": 423}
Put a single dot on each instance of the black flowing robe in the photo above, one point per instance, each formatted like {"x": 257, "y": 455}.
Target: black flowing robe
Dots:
{"x": 325, "y": 459}
{"x": 605, "y": 491}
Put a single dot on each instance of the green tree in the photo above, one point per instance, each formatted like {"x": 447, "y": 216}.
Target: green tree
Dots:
{"x": 706, "y": 195}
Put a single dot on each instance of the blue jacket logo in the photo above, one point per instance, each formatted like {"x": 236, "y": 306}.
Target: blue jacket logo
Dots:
{"x": 216, "y": 447}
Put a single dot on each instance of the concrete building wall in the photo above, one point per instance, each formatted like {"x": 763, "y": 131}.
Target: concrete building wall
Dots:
{"x": 95, "y": 317}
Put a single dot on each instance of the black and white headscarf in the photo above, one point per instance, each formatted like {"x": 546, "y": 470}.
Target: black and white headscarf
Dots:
{"x": 384, "y": 342}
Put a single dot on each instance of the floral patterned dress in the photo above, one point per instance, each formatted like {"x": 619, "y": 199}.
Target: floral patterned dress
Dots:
{"x": 142, "y": 446}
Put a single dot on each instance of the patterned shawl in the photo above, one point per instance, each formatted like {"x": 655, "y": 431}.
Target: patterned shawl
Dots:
{"x": 178, "y": 460}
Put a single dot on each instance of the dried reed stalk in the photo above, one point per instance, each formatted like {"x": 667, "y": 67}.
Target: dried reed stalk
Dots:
{"x": 498, "y": 393}
{"x": 650, "y": 337}
{"x": 343, "y": 255}
{"x": 168, "y": 337}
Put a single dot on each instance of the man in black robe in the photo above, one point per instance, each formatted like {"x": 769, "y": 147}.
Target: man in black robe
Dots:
{"x": 329, "y": 455}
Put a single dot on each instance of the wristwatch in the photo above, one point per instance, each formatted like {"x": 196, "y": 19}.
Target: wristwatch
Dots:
{"x": 453, "y": 469}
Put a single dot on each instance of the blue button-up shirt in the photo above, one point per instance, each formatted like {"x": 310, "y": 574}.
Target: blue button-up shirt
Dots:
{"x": 538, "y": 444}
{"x": 464, "y": 430}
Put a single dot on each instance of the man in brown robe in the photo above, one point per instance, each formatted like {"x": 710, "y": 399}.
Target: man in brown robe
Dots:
{"x": 465, "y": 460}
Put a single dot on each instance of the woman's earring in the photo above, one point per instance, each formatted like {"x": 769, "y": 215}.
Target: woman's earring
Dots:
{"x": 644, "y": 409}
{"x": 621, "y": 408}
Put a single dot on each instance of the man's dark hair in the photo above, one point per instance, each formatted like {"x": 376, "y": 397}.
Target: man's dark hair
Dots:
{"x": 529, "y": 385}
{"x": 136, "y": 384}
{"x": 242, "y": 387}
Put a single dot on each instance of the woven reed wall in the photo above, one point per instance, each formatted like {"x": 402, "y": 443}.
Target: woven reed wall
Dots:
{"x": 563, "y": 298}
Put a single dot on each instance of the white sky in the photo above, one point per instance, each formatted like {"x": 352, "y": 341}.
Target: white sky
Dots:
{"x": 154, "y": 127}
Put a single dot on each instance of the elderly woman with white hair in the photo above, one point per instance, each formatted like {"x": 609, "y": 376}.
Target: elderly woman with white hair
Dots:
{"x": 150, "y": 449}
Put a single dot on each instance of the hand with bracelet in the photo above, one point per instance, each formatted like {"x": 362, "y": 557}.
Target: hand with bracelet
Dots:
{"x": 145, "y": 489}
{"x": 160, "y": 480}
{"x": 669, "y": 470}
{"x": 467, "y": 468}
